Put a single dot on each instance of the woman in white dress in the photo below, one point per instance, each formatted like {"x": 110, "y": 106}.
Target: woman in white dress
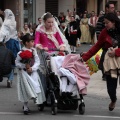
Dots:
{"x": 29, "y": 83}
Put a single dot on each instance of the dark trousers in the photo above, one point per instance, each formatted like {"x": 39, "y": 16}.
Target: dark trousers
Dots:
{"x": 111, "y": 87}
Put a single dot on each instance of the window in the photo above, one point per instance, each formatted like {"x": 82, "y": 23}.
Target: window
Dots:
{"x": 29, "y": 11}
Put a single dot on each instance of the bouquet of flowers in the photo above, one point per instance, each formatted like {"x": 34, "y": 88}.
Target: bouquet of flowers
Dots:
{"x": 26, "y": 56}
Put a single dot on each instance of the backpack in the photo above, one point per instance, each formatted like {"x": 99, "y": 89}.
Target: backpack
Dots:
{"x": 5, "y": 66}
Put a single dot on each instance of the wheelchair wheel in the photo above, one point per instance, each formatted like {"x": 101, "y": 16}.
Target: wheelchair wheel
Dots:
{"x": 82, "y": 108}
{"x": 54, "y": 109}
{"x": 41, "y": 107}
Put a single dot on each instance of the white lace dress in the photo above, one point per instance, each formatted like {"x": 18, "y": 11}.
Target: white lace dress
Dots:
{"x": 29, "y": 86}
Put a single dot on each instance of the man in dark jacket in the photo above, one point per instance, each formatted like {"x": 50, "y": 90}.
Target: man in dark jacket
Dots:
{"x": 7, "y": 60}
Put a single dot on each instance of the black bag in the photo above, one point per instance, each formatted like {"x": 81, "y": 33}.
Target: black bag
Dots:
{"x": 5, "y": 66}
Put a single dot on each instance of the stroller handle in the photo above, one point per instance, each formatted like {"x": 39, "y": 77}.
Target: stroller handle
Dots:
{"x": 55, "y": 49}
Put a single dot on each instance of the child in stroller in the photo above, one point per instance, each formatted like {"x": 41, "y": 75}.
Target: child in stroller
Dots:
{"x": 65, "y": 82}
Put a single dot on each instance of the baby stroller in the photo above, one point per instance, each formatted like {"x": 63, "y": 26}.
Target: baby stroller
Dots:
{"x": 53, "y": 91}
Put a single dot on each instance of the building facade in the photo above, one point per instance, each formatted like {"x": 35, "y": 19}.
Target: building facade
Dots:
{"x": 27, "y": 11}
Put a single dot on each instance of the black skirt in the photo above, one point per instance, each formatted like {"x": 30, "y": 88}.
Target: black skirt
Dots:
{"x": 72, "y": 39}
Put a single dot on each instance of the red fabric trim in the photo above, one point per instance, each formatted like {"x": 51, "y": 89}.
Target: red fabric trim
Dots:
{"x": 75, "y": 32}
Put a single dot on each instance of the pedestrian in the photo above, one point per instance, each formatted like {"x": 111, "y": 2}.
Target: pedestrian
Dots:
{"x": 8, "y": 35}
{"x": 77, "y": 18}
{"x": 92, "y": 25}
{"x": 39, "y": 22}
{"x": 67, "y": 19}
{"x": 109, "y": 7}
{"x": 20, "y": 34}
{"x": 31, "y": 31}
{"x": 26, "y": 29}
{"x": 29, "y": 83}
{"x": 48, "y": 35}
{"x": 108, "y": 36}
{"x": 61, "y": 19}
{"x": 73, "y": 34}
{"x": 85, "y": 33}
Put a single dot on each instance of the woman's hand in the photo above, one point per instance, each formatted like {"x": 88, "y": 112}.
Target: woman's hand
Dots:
{"x": 29, "y": 70}
{"x": 40, "y": 47}
{"x": 82, "y": 53}
{"x": 62, "y": 48}
{"x": 27, "y": 66}
{"x": 45, "y": 48}
{"x": 111, "y": 52}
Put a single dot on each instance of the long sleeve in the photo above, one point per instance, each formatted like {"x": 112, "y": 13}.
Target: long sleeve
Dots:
{"x": 117, "y": 52}
{"x": 60, "y": 41}
{"x": 18, "y": 63}
{"x": 96, "y": 47}
{"x": 66, "y": 33}
{"x": 100, "y": 25}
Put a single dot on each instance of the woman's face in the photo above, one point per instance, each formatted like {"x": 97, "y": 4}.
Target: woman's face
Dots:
{"x": 25, "y": 27}
{"x": 109, "y": 24}
{"x": 49, "y": 23}
{"x": 84, "y": 16}
{"x": 72, "y": 19}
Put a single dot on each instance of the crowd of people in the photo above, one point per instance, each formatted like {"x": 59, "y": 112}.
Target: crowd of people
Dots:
{"x": 63, "y": 33}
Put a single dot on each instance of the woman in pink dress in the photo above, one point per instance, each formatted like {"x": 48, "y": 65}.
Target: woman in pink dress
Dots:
{"x": 48, "y": 35}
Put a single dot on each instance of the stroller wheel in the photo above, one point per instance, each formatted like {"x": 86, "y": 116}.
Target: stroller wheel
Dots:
{"x": 41, "y": 107}
{"x": 82, "y": 108}
{"x": 54, "y": 109}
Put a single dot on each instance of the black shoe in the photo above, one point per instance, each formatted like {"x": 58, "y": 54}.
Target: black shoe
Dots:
{"x": 27, "y": 111}
{"x": 41, "y": 107}
{"x": 112, "y": 106}
{"x": 9, "y": 84}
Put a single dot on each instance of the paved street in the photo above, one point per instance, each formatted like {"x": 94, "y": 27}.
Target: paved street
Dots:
{"x": 96, "y": 103}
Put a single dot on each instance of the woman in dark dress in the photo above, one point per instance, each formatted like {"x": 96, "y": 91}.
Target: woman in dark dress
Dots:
{"x": 73, "y": 34}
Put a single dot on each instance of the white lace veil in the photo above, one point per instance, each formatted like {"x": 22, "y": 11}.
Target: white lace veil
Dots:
{"x": 58, "y": 30}
{"x": 8, "y": 29}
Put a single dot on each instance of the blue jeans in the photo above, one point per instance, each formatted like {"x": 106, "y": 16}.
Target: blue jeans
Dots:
{"x": 10, "y": 76}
